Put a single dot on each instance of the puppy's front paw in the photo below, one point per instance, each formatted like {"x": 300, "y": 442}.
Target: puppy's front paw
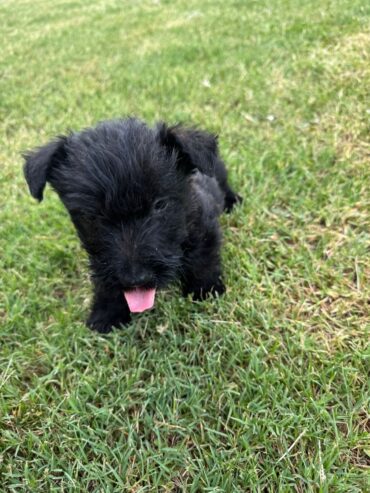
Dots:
{"x": 231, "y": 199}
{"x": 103, "y": 321}
{"x": 201, "y": 292}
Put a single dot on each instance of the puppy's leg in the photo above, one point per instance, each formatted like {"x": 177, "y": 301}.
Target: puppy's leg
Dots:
{"x": 202, "y": 267}
{"x": 231, "y": 198}
{"x": 109, "y": 310}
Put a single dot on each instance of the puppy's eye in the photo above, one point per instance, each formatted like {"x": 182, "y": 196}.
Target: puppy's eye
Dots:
{"x": 160, "y": 205}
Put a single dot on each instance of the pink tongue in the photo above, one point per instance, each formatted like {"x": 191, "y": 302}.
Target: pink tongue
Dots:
{"x": 139, "y": 300}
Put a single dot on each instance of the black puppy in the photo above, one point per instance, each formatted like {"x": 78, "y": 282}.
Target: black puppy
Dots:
{"x": 145, "y": 203}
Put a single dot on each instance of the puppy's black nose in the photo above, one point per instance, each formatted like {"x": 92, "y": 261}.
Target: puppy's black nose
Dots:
{"x": 142, "y": 279}
{"x": 136, "y": 279}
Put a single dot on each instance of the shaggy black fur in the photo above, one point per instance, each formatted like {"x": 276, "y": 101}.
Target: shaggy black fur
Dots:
{"x": 145, "y": 203}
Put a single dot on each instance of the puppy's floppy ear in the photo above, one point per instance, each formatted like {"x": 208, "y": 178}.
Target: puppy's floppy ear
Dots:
{"x": 39, "y": 162}
{"x": 195, "y": 148}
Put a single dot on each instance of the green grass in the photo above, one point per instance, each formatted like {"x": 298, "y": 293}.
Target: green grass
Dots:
{"x": 263, "y": 390}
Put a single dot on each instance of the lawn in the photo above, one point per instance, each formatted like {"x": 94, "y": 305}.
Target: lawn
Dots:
{"x": 262, "y": 390}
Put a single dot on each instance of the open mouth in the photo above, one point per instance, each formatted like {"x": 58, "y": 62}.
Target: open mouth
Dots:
{"x": 140, "y": 299}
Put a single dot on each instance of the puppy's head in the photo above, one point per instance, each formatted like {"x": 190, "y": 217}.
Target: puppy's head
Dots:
{"x": 127, "y": 190}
